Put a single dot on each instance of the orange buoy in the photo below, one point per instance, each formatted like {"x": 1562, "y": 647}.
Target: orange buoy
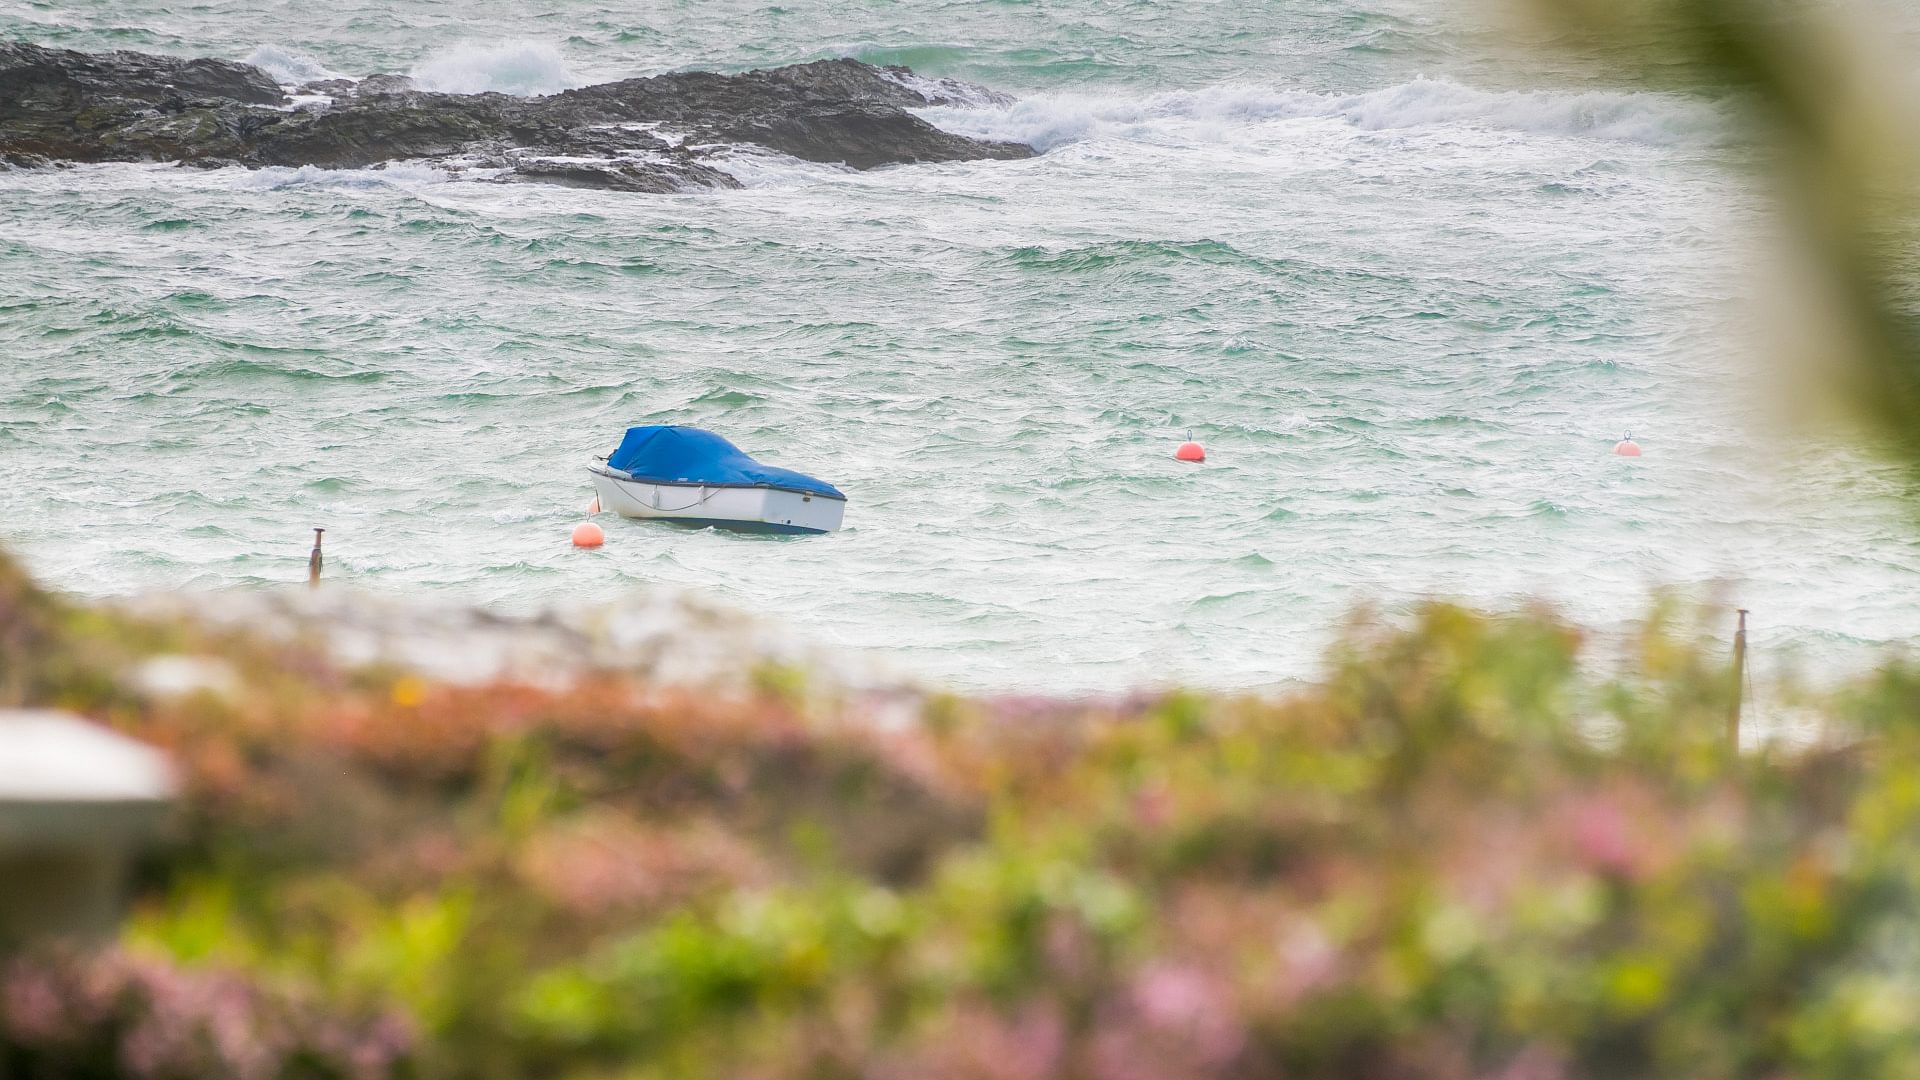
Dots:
{"x": 1190, "y": 450}
{"x": 1627, "y": 447}
{"x": 594, "y": 506}
{"x": 588, "y": 535}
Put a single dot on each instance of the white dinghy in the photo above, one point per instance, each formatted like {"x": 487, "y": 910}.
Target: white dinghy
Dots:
{"x": 690, "y": 476}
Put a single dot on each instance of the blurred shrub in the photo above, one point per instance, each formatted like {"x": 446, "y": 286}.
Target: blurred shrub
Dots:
{"x": 1466, "y": 852}
{"x": 117, "y": 1014}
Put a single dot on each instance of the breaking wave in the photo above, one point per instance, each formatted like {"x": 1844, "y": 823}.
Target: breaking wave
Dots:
{"x": 290, "y": 68}
{"x": 757, "y": 167}
{"x": 524, "y": 69}
{"x": 1046, "y": 121}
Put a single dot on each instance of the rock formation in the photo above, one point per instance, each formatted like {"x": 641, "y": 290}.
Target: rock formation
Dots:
{"x": 651, "y": 135}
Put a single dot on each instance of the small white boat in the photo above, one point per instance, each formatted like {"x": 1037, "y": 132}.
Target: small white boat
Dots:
{"x": 694, "y": 477}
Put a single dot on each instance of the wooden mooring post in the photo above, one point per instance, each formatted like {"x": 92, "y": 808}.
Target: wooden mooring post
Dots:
{"x": 316, "y": 560}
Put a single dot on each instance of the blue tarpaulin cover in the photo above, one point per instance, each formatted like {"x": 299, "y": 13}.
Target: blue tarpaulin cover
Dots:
{"x": 669, "y": 454}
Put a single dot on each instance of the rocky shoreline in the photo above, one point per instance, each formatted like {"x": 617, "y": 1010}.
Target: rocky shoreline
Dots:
{"x": 654, "y": 135}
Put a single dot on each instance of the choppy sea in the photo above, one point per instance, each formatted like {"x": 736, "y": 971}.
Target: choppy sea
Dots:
{"x": 1405, "y": 271}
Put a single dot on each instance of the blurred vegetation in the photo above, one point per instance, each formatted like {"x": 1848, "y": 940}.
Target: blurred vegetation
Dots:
{"x": 1827, "y": 88}
{"x": 1460, "y": 854}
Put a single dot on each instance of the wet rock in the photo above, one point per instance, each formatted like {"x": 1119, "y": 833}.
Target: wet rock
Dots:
{"x": 341, "y": 90}
{"x": 364, "y": 131}
{"x": 829, "y": 111}
{"x": 32, "y": 77}
{"x": 63, "y": 105}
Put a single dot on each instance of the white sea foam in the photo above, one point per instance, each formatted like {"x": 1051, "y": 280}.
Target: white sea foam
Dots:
{"x": 522, "y": 68}
{"x": 397, "y": 175}
{"x": 965, "y": 95}
{"x": 672, "y": 136}
{"x": 756, "y": 167}
{"x": 290, "y": 68}
{"x": 1049, "y": 120}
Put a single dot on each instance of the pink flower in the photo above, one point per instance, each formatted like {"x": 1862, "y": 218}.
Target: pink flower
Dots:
{"x": 1307, "y": 961}
{"x": 1177, "y": 1021}
{"x": 30, "y": 1006}
{"x": 1600, "y": 835}
{"x": 981, "y": 1044}
{"x": 1172, "y": 997}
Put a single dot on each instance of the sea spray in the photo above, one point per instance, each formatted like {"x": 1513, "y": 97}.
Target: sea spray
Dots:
{"x": 288, "y": 67}
{"x": 519, "y": 68}
{"x": 524, "y": 69}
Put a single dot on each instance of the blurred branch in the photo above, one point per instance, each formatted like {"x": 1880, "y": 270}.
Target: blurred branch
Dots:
{"x": 1826, "y": 107}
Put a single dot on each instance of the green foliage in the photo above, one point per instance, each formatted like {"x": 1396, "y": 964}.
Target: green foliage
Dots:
{"x": 1469, "y": 851}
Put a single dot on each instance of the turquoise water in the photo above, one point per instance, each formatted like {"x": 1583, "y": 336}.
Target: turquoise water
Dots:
{"x": 1407, "y": 279}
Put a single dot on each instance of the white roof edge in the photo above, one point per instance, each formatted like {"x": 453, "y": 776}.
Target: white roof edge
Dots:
{"x": 56, "y": 757}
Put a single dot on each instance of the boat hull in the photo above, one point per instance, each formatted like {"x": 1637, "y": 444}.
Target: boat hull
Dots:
{"x": 745, "y": 509}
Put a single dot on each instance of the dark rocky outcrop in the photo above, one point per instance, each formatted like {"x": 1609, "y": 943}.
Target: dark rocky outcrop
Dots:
{"x": 58, "y": 105}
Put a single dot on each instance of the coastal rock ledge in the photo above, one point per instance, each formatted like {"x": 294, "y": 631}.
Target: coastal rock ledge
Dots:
{"x": 654, "y": 134}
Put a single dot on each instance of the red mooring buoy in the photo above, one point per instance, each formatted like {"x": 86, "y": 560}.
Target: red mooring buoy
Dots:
{"x": 588, "y": 535}
{"x": 1190, "y": 450}
{"x": 1627, "y": 447}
